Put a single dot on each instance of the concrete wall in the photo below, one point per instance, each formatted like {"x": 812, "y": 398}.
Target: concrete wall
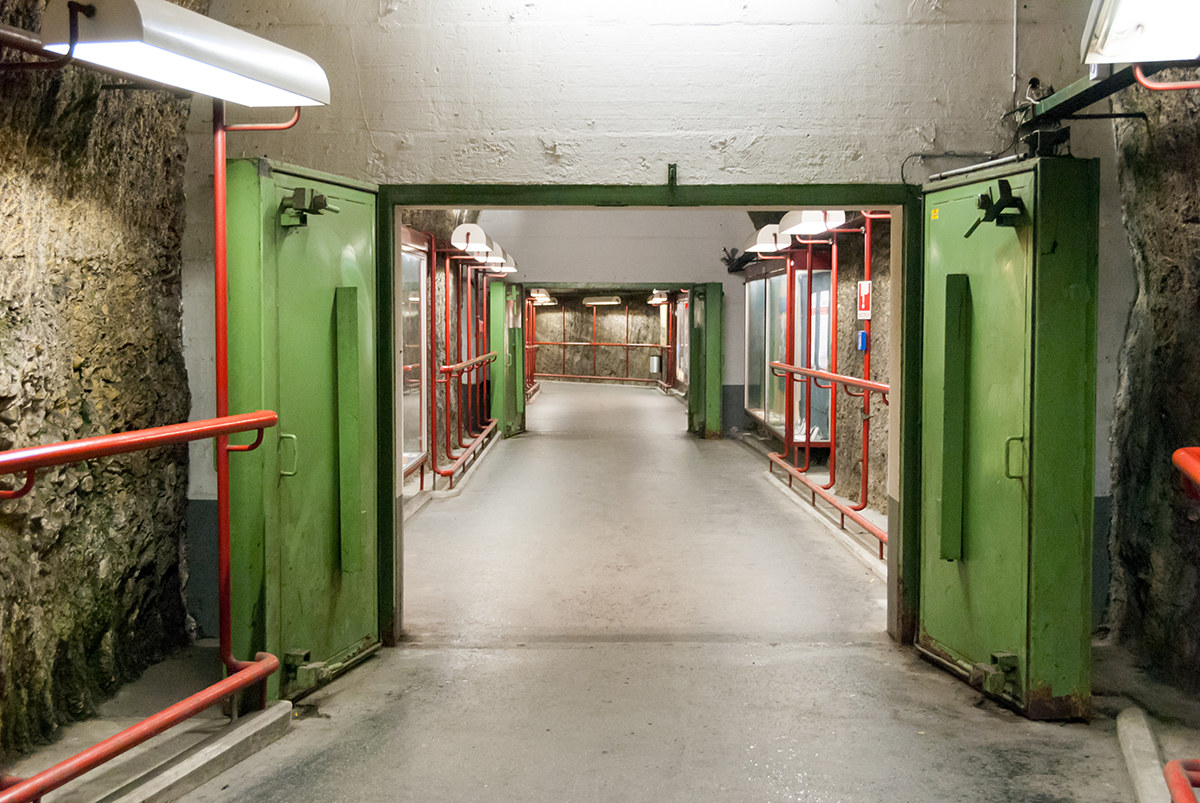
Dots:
{"x": 91, "y": 217}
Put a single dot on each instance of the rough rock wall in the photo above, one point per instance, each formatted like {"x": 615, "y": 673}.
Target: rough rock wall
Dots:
{"x": 610, "y": 327}
{"x": 91, "y": 213}
{"x": 850, "y": 362}
{"x": 1155, "y": 541}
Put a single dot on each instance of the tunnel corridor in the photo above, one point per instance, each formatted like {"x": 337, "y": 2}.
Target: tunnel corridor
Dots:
{"x": 615, "y": 610}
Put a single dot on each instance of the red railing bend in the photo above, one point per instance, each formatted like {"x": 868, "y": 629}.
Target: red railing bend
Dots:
{"x": 1182, "y": 776}
{"x": 30, "y": 789}
{"x": 450, "y": 372}
{"x": 248, "y": 673}
{"x": 1187, "y": 460}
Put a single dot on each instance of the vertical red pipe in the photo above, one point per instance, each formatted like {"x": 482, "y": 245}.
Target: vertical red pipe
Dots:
{"x": 433, "y": 364}
{"x": 833, "y": 365}
{"x": 866, "y": 394}
{"x": 626, "y": 341}
{"x": 221, "y": 293}
{"x": 563, "y": 307}
{"x": 789, "y": 350}
{"x": 446, "y": 348}
{"x": 808, "y": 351}
{"x": 594, "y": 339}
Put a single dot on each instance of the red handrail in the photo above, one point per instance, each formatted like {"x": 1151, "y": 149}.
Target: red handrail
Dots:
{"x": 459, "y": 367}
{"x": 876, "y": 387}
{"x": 32, "y": 458}
{"x": 30, "y": 789}
{"x": 1159, "y": 86}
{"x": 1182, "y": 775}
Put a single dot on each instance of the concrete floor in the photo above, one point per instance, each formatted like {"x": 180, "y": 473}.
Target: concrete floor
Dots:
{"x": 613, "y": 611}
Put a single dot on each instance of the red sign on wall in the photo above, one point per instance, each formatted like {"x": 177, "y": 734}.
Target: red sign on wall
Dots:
{"x": 864, "y": 301}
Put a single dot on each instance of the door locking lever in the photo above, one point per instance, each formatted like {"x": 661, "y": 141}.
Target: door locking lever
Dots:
{"x": 1007, "y": 210}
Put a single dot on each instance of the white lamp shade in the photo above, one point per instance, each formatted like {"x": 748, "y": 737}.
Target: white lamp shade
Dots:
{"x": 767, "y": 240}
{"x": 811, "y": 221}
{"x": 1133, "y": 31}
{"x": 166, "y": 44}
{"x": 601, "y": 301}
{"x": 470, "y": 237}
{"x": 496, "y": 256}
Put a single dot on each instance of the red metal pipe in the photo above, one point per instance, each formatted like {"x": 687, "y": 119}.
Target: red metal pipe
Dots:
{"x": 876, "y": 215}
{"x": 593, "y": 376}
{"x": 1182, "y": 775}
{"x": 56, "y": 454}
{"x": 1187, "y": 460}
{"x": 866, "y": 394}
{"x": 48, "y": 780}
{"x": 563, "y": 307}
{"x": 595, "y": 337}
{"x": 808, "y": 352}
{"x": 833, "y": 363}
{"x": 853, "y": 381}
{"x": 822, "y": 492}
{"x": 626, "y": 340}
{"x": 1159, "y": 86}
{"x": 587, "y": 343}
{"x": 221, "y": 293}
{"x": 789, "y": 352}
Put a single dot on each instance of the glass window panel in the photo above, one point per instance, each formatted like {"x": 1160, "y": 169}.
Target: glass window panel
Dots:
{"x": 756, "y": 346}
{"x": 412, "y": 371}
{"x": 776, "y": 325}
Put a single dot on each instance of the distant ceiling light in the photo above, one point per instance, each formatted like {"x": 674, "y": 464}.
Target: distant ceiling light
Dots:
{"x": 166, "y": 44}
{"x": 545, "y": 301}
{"x": 601, "y": 301}
{"x": 658, "y": 298}
{"x": 470, "y": 237}
{"x": 767, "y": 240}
{"x": 414, "y": 297}
{"x": 810, "y": 221}
{"x": 496, "y": 256}
{"x": 539, "y": 292}
{"x": 1132, "y": 31}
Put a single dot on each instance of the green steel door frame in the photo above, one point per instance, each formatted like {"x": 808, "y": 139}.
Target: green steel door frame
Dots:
{"x": 905, "y": 514}
{"x": 508, "y": 369}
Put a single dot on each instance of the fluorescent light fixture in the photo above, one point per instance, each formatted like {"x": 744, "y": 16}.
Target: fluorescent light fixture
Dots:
{"x": 471, "y": 238}
{"x": 496, "y": 256}
{"x": 658, "y": 298}
{"x": 767, "y": 240}
{"x": 1134, "y": 31}
{"x": 810, "y": 221}
{"x": 601, "y": 301}
{"x": 166, "y": 44}
{"x": 539, "y": 292}
{"x": 545, "y": 301}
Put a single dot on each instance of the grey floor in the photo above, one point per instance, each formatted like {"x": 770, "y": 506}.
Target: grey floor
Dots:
{"x": 615, "y": 611}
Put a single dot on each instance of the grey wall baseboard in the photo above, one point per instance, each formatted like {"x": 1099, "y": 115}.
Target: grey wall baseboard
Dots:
{"x": 200, "y": 593}
{"x": 733, "y": 408}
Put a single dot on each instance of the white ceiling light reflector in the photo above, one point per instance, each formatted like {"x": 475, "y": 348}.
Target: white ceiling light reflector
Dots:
{"x": 601, "y": 301}
{"x": 1135, "y": 31}
{"x": 471, "y": 238}
{"x": 810, "y": 221}
{"x": 166, "y": 44}
{"x": 767, "y": 240}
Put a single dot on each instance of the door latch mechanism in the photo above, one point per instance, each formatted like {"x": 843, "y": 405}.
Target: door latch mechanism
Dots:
{"x": 1007, "y": 210}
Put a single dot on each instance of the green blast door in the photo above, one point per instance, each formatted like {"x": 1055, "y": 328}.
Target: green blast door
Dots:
{"x": 1007, "y": 423}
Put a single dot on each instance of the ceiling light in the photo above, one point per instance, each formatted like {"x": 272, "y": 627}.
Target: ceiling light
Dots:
{"x": 545, "y": 301}
{"x": 496, "y": 256}
{"x": 1132, "y": 31}
{"x": 539, "y": 292}
{"x": 470, "y": 237}
{"x": 810, "y": 221}
{"x": 767, "y": 240}
{"x": 601, "y": 301}
{"x": 166, "y": 44}
{"x": 658, "y": 298}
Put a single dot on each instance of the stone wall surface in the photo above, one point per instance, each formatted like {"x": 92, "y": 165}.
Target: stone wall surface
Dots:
{"x": 850, "y": 363}
{"x": 610, "y": 325}
{"x": 1155, "y": 540}
{"x": 91, "y": 216}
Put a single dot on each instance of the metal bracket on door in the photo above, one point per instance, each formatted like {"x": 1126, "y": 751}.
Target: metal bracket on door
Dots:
{"x": 1008, "y": 458}
{"x": 283, "y": 436}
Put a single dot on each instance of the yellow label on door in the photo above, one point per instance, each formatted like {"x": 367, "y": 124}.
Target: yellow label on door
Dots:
{"x": 934, "y": 215}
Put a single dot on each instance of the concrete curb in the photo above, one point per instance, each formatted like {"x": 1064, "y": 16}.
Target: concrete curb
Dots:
{"x": 211, "y": 758}
{"x": 866, "y": 557}
{"x": 1141, "y": 756}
